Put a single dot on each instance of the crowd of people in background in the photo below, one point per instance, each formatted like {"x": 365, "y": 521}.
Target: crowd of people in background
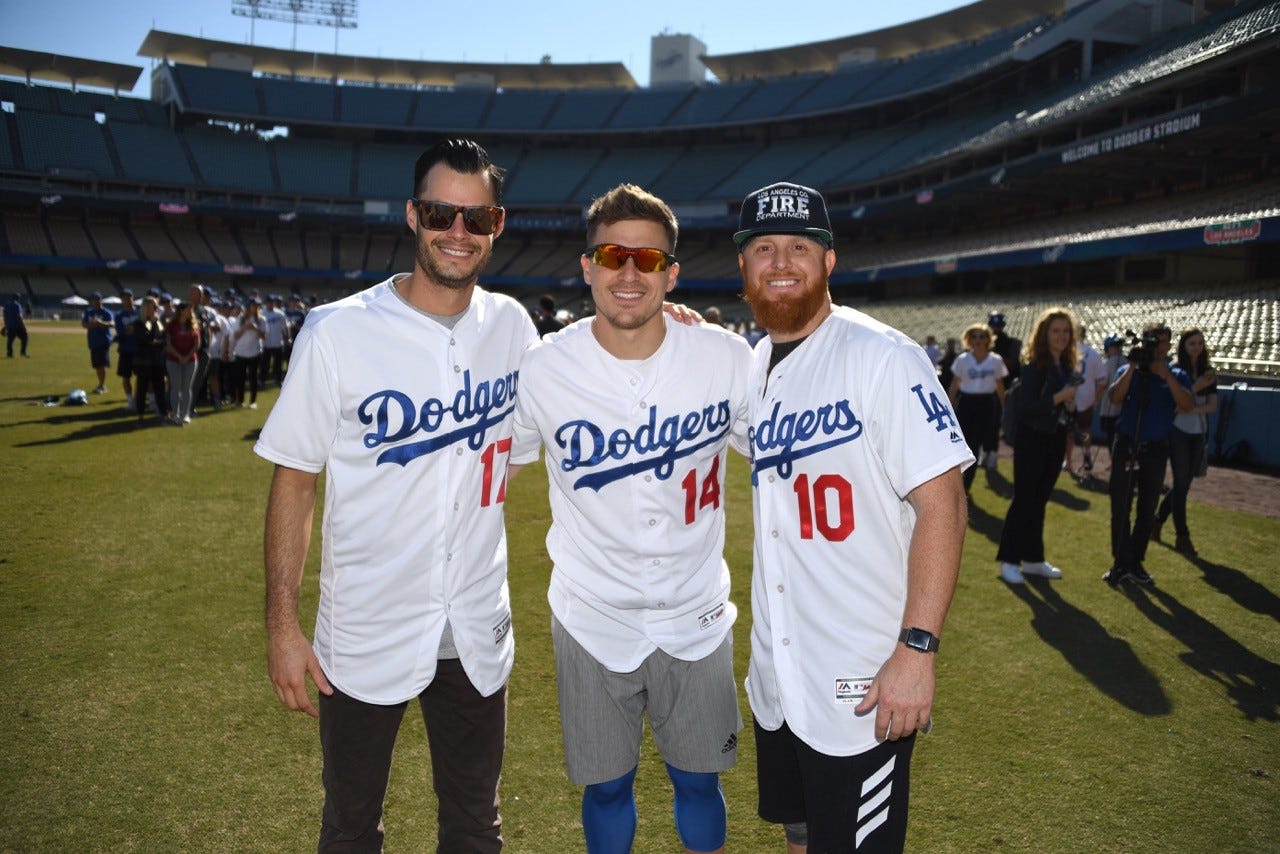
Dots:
{"x": 1153, "y": 416}
{"x": 174, "y": 355}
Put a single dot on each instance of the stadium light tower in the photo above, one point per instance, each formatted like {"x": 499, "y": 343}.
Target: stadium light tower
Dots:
{"x": 339, "y": 14}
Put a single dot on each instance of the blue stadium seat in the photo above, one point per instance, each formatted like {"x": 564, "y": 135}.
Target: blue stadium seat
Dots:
{"x": 585, "y": 109}
{"x": 298, "y": 99}
{"x": 709, "y": 104}
{"x": 649, "y": 107}
{"x": 451, "y": 110}
{"x": 380, "y": 106}
{"x": 773, "y": 98}
{"x": 550, "y": 176}
{"x": 385, "y": 171}
{"x": 691, "y": 177}
{"x": 149, "y": 153}
{"x": 520, "y": 109}
{"x": 314, "y": 167}
{"x": 225, "y": 159}
{"x": 51, "y": 142}
{"x": 639, "y": 166}
{"x": 217, "y": 90}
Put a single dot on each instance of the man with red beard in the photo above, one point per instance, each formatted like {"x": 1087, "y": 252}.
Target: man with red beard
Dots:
{"x": 404, "y": 394}
{"x": 860, "y": 518}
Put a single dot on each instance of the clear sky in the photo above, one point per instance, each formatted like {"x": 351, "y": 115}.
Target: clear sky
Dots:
{"x": 486, "y": 31}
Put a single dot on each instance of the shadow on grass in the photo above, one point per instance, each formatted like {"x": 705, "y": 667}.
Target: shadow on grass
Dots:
{"x": 92, "y": 421}
{"x": 1108, "y": 662}
{"x": 1243, "y": 590}
{"x": 986, "y": 524}
{"x": 998, "y": 483}
{"x": 1252, "y": 682}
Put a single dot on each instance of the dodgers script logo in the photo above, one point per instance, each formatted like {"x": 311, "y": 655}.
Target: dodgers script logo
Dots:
{"x": 395, "y": 417}
{"x": 782, "y": 432}
{"x": 659, "y": 443}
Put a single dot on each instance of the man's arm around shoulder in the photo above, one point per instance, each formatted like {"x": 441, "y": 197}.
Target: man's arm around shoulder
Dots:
{"x": 287, "y": 534}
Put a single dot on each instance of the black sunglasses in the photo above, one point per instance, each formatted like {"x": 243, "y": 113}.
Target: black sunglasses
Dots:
{"x": 482, "y": 220}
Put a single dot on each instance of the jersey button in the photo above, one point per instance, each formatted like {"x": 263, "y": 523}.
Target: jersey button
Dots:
{"x": 662, "y": 604}
{"x": 786, "y": 641}
{"x": 771, "y": 478}
{"x": 457, "y": 369}
{"x": 652, "y": 522}
{"x": 457, "y": 506}
{"x": 780, "y": 588}
{"x": 634, "y": 381}
{"x": 657, "y": 562}
{"x": 773, "y": 534}
{"x": 458, "y": 451}
{"x": 648, "y": 478}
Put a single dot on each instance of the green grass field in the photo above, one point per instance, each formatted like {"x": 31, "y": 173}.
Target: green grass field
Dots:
{"x": 138, "y": 716}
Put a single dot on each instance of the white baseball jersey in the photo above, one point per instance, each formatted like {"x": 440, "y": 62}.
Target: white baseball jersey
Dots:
{"x": 847, "y": 425}
{"x": 1094, "y": 371}
{"x": 248, "y": 345}
{"x": 978, "y": 377}
{"x": 635, "y": 455}
{"x": 277, "y": 327}
{"x": 411, "y": 423}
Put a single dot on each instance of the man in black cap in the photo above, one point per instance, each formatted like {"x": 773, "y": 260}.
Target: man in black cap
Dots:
{"x": 847, "y": 418}
{"x": 1009, "y": 349}
{"x": 99, "y": 323}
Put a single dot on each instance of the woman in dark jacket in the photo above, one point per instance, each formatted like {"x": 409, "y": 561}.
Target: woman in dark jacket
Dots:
{"x": 1045, "y": 397}
{"x": 149, "y": 359}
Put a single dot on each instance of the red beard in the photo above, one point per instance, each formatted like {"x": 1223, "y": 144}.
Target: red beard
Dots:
{"x": 785, "y": 315}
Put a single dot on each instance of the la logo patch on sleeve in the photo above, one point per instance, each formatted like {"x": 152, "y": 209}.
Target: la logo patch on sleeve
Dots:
{"x": 852, "y": 690}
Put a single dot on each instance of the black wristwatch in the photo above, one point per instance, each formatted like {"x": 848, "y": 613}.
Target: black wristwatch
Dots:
{"x": 919, "y": 640}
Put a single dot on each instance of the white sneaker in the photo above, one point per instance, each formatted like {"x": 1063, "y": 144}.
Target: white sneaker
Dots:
{"x": 253, "y": 406}
{"x": 1042, "y": 569}
{"x": 1010, "y": 574}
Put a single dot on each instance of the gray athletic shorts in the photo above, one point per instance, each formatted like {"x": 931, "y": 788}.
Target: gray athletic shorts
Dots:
{"x": 692, "y": 706}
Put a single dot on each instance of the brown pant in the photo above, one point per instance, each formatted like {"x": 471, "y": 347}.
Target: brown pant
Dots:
{"x": 466, "y": 734}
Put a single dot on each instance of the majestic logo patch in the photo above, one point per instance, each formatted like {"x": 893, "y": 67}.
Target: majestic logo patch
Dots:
{"x": 395, "y": 417}
{"x": 710, "y": 618}
{"x": 658, "y": 444}
{"x": 852, "y": 690}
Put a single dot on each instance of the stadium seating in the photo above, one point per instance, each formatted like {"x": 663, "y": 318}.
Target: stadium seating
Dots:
{"x": 289, "y": 99}
{"x": 520, "y": 110}
{"x": 232, "y": 161}
{"x": 63, "y": 144}
{"x": 151, "y": 154}
{"x": 549, "y": 176}
{"x": 217, "y": 91}
{"x": 585, "y": 109}
{"x": 376, "y": 105}
{"x": 70, "y": 239}
{"x": 113, "y": 244}
{"x": 314, "y": 167}
{"x": 26, "y": 235}
{"x": 155, "y": 242}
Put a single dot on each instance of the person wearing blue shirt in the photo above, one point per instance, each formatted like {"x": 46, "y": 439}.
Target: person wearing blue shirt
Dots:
{"x": 1149, "y": 393}
{"x": 126, "y": 343}
{"x": 100, "y": 324}
{"x": 15, "y": 325}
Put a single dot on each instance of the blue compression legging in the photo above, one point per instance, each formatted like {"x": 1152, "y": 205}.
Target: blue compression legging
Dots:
{"x": 609, "y": 812}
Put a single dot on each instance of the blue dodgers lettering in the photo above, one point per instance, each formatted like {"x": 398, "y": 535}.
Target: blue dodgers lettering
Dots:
{"x": 395, "y": 417}
{"x": 786, "y": 431}
{"x": 586, "y": 445}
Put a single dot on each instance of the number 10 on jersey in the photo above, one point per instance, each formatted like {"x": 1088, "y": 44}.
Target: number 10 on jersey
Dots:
{"x": 817, "y": 500}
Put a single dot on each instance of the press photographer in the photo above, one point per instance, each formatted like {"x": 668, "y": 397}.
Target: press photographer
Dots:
{"x": 1149, "y": 393}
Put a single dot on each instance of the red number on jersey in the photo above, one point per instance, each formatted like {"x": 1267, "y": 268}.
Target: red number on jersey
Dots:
{"x": 502, "y": 446}
{"x": 814, "y": 507}
{"x": 710, "y": 496}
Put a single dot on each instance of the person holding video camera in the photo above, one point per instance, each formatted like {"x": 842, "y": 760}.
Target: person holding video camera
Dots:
{"x": 1043, "y": 406}
{"x": 1150, "y": 394}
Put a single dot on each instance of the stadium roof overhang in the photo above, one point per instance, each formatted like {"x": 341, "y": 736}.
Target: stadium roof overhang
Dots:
{"x": 55, "y": 68}
{"x": 190, "y": 50}
{"x": 966, "y": 23}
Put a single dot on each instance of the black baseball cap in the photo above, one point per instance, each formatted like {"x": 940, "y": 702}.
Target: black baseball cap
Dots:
{"x": 995, "y": 320}
{"x": 784, "y": 208}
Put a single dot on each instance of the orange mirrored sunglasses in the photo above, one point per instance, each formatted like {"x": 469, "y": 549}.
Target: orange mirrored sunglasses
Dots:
{"x": 611, "y": 256}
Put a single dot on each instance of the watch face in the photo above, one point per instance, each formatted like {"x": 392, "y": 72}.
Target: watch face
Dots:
{"x": 920, "y": 639}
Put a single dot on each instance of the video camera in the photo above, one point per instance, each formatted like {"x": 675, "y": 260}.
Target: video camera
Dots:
{"x": 1142, "y": 348}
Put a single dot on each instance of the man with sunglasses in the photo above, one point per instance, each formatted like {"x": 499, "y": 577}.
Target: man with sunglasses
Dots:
{"x": 635, "y": 411}
{"x": 859, "y": 519}
{"x": 403, "y": 394}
